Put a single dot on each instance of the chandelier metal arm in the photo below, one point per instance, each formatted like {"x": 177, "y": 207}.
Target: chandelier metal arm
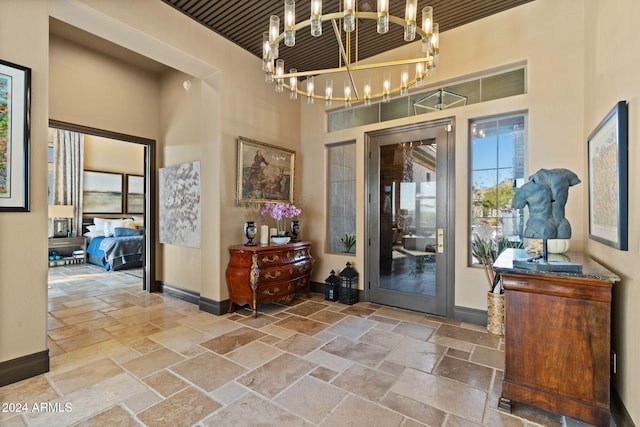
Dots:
{"x": 344, "y": 57}
{"x": 356, "y": 67}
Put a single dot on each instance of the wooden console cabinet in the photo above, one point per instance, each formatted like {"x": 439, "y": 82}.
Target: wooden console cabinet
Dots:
{"x": 557, "y": 338}
{"x": 268, "y": 273}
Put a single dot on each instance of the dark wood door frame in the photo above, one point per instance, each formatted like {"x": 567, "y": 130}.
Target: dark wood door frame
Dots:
{"x": 149, "y": 275}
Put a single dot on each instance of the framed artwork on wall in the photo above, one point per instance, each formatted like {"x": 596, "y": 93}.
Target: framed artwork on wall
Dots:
{"x": 608, "y": 179}
{"x": 15, "y": 99}
{"x": 102, "y": 192}
{"x": 265, "y": 172}
{"x": 179, "y": 205}
{"x": 135, "y": 194}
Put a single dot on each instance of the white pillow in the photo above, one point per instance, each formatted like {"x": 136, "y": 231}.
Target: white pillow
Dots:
{"x": 99, "y": 223}
{"x": 94, "y": 229}
{"x": 124, "y": 223}
{"x": 108, "y": 228}
{"x": 91, "y": 234}
{"x": 107, "y": 225}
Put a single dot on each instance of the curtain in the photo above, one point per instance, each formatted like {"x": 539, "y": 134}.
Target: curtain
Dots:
{"x": 68, "y": 167}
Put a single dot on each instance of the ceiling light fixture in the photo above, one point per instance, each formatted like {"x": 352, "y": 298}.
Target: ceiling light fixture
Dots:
{"x": 425, "y": 62}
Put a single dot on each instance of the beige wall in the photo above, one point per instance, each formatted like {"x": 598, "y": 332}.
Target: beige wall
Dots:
{"x": 23, "y": 280}
{"x": 109, "y": 155}
{"x": 91, "y": 89}
{"x": 180, "y": 125}
{"x": 541, "y": 33}
{"x": 228, "y": 98}
{"x": 549, "y": 36}
{"x": 612, "y": 67}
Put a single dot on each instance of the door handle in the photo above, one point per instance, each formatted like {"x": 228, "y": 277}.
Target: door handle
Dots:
{"x": 440, "y": 240}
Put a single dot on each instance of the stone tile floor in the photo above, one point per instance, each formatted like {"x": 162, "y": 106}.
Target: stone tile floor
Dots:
{"x": 121, "y": 357}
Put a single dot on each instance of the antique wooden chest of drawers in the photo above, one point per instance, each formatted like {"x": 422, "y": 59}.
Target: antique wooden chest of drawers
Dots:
{"x": 557, "y": 338}
{"x": 268, "y": 273}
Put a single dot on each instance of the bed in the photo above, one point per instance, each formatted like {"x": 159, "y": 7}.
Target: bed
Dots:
{"x": 115, "y": 244}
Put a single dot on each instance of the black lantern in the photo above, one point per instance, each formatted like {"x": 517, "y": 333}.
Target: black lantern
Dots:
{"x": 348, "y": 285}
{"x": 332, "y": 287}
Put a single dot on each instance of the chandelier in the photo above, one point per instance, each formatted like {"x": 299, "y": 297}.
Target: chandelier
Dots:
{"x": 424, "y": 62}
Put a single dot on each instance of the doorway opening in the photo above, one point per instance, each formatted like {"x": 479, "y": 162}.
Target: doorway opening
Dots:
{"x": 410, "y": 182}
{"x": 148, "y": 199}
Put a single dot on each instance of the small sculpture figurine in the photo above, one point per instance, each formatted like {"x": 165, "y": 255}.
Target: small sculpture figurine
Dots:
{"x": 546, "y": 194}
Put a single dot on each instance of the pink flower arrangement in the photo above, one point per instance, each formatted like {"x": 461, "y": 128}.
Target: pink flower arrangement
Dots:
{"x": 279, "y": 211}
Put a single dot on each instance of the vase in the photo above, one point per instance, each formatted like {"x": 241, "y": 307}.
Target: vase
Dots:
{"x": 280, "y": 240}
{"x": 495, "y": 314}
{"x": 250, "y": 232}
{"x": 295, "y": 230}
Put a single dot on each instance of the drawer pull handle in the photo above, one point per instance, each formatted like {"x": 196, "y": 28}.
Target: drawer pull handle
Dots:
{"x": 272, "y": 276}
{"x": 274, "y": 259}
{"x": 271, "y": 293}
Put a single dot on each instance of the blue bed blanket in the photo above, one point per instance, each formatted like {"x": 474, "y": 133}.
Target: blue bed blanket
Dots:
{"x": 117, "y": 253}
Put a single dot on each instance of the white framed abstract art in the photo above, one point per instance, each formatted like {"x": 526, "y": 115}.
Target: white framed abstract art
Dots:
{"x": 179, "y": 200}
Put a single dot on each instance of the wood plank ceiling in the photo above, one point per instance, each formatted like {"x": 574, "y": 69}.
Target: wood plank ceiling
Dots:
{"x": 244, "y": 21}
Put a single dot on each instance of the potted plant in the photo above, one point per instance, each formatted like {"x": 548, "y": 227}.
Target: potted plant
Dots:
{"x": 486, "y": 251}
{"x": 348, "y": 241}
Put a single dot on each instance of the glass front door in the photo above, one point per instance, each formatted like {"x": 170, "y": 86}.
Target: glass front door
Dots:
{"x": 408, "y": 184}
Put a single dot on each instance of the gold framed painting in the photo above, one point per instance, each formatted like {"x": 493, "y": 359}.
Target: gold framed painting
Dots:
{"x": 265, "y": 172}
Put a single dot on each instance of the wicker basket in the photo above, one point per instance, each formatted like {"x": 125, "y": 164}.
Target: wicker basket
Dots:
{"x": 495, "y": 314}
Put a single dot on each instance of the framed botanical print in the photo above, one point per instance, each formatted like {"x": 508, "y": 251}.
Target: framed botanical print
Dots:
{"x": 608, "y": 179}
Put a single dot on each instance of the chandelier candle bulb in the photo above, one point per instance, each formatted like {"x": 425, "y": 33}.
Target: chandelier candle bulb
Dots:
{"x": 386, "y": 87}
{"x": 328, "y": 92}
{"x": 435, "y": 46}
{"x": 350, "y": 64}
{"x": 293, "y": 85}
{"x": 310, "y": 89}
{"x": 347, "y": 93}
{"x": 383, "y": 16}
{"x": 427, "y": 27}
{"x": 410, "y": 17}
{"x": 367, "y": 92}
{"x": 404, "y": 80}
{"x": 266, "y": 46}
{"x": 348, "y": 18}
{"x": 316, "y": 15}
{"x": 274, "y": 33}
{"x": 279, "y": 73}
{"x": 427, "y": 20}
{"x": 267, "y": 60}
{"x": 268, "y": 75}
{"x": 289, "y": 22}
{"x": 419, "y": 73}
